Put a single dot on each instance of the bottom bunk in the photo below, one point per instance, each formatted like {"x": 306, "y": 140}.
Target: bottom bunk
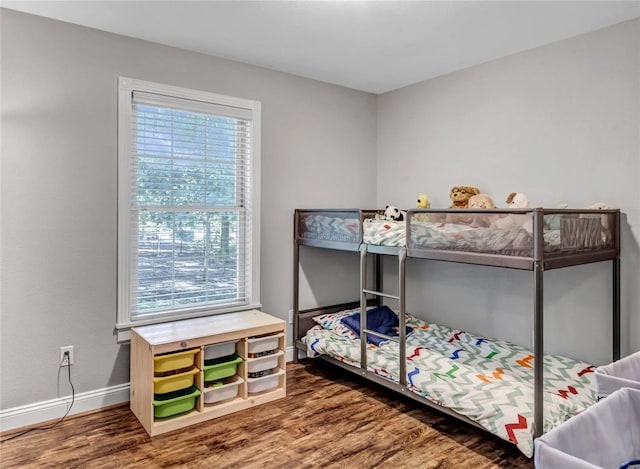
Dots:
{"x": 485, "y": 381}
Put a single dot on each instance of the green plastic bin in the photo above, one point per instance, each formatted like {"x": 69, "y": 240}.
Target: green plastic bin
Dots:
{"x": 176, "y": 402}
{"x": 217, "y": 369}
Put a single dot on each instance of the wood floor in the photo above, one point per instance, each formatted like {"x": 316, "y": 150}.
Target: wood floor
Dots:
{"x": 330, "y": 419}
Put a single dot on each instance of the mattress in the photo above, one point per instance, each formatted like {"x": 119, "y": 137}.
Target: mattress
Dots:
{"x": 514, "y": 240}
{"x": 324, "y": 226}
{"x": 486, "y": 380}
{"x": 490, "y": 233}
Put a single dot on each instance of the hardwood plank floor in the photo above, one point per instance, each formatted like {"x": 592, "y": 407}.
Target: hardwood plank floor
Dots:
{"x": 329, "y": 419}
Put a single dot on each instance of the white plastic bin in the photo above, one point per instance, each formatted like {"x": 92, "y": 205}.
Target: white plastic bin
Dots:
{"x": 263, "y": 363}
{"x": 223, "y": 392}
{"x": 605, "y": 436}
{"x": 263, "y": 344}
{"x": 265, "y": 383}
{"x": 625, "y": 373}
{"x": 222, "y": 349}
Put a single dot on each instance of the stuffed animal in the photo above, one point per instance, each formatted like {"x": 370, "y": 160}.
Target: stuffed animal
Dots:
{"x": 460, "y": 195}
{"x": 392, "y": 213}
{"x": 423, "y": 201}
{"x": 482, "y": 201}
{"x": 516, "y": 200}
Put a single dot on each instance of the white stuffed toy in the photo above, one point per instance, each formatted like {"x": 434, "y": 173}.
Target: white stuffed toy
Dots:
{"x": 392, "y": 213}
{"x": 516, "y": 200}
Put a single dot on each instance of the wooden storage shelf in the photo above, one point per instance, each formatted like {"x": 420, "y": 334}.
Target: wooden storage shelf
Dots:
{"x": 150, "y": 341}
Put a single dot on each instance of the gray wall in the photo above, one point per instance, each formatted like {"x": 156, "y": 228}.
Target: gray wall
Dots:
{"x": 559, "y": 123}
{"x": 59, "y": 151}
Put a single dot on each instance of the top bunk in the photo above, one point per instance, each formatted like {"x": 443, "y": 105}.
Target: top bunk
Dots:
{"x": 512, "y": 238}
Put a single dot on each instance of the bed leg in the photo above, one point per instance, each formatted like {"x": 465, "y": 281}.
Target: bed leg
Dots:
{"x": 296, "y": 295}
{"x": 538, "y": 349}
{"x": 616, "y": 309}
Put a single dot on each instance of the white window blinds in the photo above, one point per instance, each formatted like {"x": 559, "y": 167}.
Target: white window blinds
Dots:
{"x": 190, "y": 207}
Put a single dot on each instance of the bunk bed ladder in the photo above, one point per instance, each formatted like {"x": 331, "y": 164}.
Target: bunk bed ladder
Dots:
{"x": 402, "y": 334}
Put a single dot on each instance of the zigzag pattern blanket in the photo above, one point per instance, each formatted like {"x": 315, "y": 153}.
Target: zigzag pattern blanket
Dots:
{"x": 514, "y": 241}
{"x": 330, "y": 228}
{"x": 487, "y": 380}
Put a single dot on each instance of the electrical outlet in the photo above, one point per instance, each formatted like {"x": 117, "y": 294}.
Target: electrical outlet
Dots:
{"x": 63, "y": 360}
{"x": 290, "y": 316}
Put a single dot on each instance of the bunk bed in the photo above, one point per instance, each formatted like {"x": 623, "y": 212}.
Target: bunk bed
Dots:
{"x": 491, "y": 384}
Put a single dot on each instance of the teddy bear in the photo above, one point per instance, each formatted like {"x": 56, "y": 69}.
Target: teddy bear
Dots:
{"x": 482, "y": 201}
{"x": 460, "y": 196}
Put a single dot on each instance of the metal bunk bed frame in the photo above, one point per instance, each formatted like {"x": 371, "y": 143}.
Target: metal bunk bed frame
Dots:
{"x": 537, "y": 263}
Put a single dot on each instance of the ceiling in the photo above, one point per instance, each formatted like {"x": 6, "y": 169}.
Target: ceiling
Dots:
{"x": 374, "y": 46}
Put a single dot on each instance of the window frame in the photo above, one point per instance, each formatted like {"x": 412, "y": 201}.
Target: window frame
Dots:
{"x": 126, "y": 88}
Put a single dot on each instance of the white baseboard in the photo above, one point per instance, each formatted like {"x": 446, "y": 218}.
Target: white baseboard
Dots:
{"x": 289, "y": 354}
{"x": 32, "y": 414}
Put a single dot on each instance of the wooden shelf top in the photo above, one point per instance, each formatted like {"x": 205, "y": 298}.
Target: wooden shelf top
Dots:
{"x": 157, "y": 334}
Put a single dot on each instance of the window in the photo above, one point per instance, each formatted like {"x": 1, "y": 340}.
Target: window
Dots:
{"x": 188, "y": 215}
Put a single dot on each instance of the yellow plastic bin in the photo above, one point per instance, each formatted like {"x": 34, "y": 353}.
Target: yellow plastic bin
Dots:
{"x": 165, "y": 384}
{"x": 174, "y": 361}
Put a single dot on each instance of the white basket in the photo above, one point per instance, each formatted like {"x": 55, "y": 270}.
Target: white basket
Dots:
{"x": 267, "y": 362}
{"x": 624, "y": 373}
{"x": 603, "y": 436}
{"x": 222, "y": 349}
{"x": 264, "y": 383}
{"x": 222, "y": 393}
{"x": 263, "y": 344}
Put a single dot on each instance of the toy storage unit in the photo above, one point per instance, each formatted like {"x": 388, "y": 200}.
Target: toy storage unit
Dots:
{"x": 186, "y": 372}
{"x": 606, "y": 435}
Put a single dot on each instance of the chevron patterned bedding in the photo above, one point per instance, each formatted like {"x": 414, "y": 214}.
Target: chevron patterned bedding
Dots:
{"x": 330, "y": 228}
{"x": 487, "y": 380}
{"x": 514, "y": 240}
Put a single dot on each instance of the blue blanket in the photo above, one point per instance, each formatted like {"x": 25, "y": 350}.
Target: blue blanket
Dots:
{"x": 380, "y": 319}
